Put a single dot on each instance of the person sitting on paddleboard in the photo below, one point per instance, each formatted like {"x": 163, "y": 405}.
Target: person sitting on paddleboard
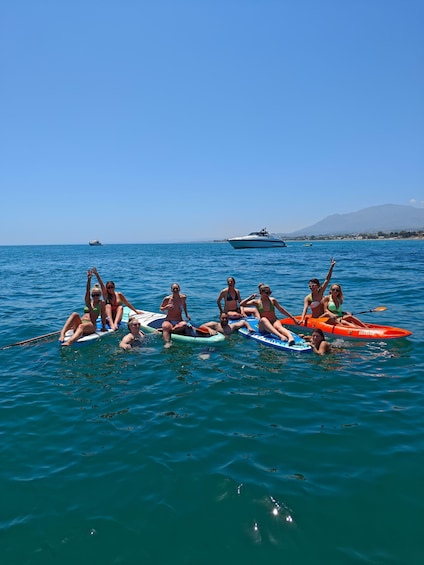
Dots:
{"x": 313, "y": 299}
{"x": 174, "y": 305}
{"x": 318, "y": 342}
{"x": 114, "y": 302}
{"x": 135, "y": 337}
{"x": 268, "y": 321}
{"x": 332, "y": 304}
{"x": 233, "y": 304}
{"x": 85, "y": 325}
{"x": 223, "y": 327}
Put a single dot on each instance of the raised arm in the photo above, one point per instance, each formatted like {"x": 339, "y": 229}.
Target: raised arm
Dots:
{"x": 102, "y": 286}
{"x": 87, "y": 290}
{"x": 328, "y": 277}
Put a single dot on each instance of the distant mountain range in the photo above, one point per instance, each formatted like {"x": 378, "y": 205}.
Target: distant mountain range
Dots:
{"x": 386, "y": 218}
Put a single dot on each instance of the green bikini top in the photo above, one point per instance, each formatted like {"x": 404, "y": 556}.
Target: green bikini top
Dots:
{"x": 261, "y": 306}
{"x": 335, "y": 309}
{"x": 96, "y": 309}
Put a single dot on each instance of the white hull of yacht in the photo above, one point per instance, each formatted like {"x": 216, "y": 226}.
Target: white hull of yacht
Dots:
{"x": 256, "y": 240}
{"x": 241, "y": 243}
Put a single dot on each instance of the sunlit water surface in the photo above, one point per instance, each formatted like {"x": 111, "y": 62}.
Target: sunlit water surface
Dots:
{"x": 194, "y": 455}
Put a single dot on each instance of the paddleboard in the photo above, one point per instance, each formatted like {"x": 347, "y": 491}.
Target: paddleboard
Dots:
{"x": 90, "y": 338}
{"x": 371, "y": 332}
{"x": 152, "y": 321}
{"x": 85, "y": 338}
{"x": 270, "y": 340}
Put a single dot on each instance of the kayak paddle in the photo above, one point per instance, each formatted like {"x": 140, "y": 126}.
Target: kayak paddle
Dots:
{"x": 378, "y": 309}
{"x": 33, "y": 339}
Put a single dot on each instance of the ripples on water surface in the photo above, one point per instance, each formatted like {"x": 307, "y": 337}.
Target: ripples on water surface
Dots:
{"x": 238, "y": 454}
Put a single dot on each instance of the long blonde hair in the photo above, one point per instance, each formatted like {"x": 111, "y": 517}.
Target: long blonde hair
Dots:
{"x": 340, "y": 293}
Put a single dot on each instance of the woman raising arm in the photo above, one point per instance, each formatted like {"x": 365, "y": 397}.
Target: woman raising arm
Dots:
{"x": 313, "y": 299}
{"x": 86, "y": 324}
{"x": 114, "y": 302}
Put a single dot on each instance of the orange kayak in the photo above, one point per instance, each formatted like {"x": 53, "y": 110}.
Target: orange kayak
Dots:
{"x": 372, "y": 331}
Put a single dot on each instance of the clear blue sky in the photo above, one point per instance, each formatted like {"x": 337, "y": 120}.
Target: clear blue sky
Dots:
{"x": 148, "y": 121}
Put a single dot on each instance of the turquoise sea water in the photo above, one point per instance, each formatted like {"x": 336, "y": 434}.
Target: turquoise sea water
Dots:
{"x": 196, "y": 456}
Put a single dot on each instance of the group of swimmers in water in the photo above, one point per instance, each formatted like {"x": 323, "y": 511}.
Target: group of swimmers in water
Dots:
{"x": 231, "y": 306}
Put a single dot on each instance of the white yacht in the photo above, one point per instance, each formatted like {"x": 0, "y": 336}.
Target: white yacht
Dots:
{"x": 257, "y": 239}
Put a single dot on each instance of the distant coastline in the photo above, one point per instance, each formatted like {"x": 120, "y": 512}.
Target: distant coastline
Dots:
{"x": 413, "y": 234}
{"x": 400, "y": 235}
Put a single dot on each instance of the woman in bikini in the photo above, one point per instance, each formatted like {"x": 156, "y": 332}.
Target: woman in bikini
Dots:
{"x": 174, "y": 305}
{"x": 332, "y": 305}
{"x": 313, "y": 299}
{"x": 268, "y": 321}
{"x": 114, "y": 302}
{"x": 85, "y": 325}
{"x": 233, "y": 304}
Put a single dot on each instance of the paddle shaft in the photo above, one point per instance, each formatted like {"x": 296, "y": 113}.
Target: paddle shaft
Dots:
{"x": 378, "y": 309}
{"x": 32, "y": 340}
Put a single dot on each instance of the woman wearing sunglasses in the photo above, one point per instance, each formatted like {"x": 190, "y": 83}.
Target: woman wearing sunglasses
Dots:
{"x": 114, "y": 301}
{"x": 332, "y": 304}
{"x": 135, "y": 337}
{"x": 268, "y": 322}
{"x": 314, "y": 298}
{"x": 85, "y": 324}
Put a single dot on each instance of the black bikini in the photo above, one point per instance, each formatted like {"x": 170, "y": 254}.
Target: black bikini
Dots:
{"x": 230, "y": 298}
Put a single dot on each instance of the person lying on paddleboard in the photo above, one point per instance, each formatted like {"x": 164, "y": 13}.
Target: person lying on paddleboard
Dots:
{"x": 332, "y": 304}
{"x": 313, "y": 299}
{"x": 135, "y": 337}
{"x": 223, "y": 327}
{"x": 174, "y": 305}
{"x": 318, "y": 342}
{"x": 114, "y": 302}
{"x": 268, "y": 321}
{"x": 233, "y": 302}
{"x": 85, "y": 325}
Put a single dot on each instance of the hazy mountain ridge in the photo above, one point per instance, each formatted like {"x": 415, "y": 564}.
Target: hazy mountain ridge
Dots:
{"x": 385, "y": 218}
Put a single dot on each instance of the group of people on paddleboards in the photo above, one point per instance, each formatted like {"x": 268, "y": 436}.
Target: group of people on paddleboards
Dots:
{"x": 232, "y": 307}
{"x": 110, "y": 310}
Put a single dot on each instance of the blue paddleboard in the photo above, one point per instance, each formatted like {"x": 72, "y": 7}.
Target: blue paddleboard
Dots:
{"x": 270, "y": 340}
